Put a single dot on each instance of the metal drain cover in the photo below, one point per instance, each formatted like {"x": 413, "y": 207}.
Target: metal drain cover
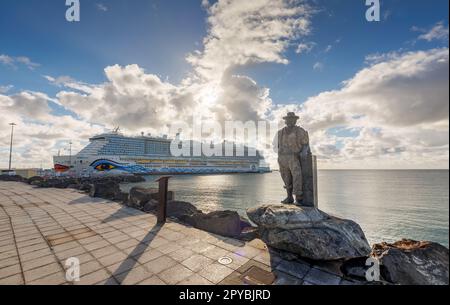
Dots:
{"x": 225, "y": 260}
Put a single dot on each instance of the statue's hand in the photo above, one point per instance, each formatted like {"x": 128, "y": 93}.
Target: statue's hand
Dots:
{"x": 305, "y": 152}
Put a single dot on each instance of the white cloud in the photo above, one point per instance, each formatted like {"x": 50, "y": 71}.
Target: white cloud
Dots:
{"x": 399, "y": 108}
{"x": 20, "y": 60}
{"x": 318, "y": 66}
{"x": 5, "y": 89}
{"x": 243, "y": 32}
{"x": 305, "y": 47}
{"x": 102, "y": 7}
{"x": 438, "y": 32}
{"x": 6, "y": 60}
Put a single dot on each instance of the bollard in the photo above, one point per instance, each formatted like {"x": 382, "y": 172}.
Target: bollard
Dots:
{"x": 162, "y": 206}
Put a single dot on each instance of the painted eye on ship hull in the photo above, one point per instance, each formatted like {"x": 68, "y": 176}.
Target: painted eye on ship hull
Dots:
{"x": 105, "y": 167}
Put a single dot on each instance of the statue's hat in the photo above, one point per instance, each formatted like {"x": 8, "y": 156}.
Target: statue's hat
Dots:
{"x": 291, "y": 115}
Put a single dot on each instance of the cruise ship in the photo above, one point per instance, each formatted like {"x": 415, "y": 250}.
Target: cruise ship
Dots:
{"x": 114, "y": 153}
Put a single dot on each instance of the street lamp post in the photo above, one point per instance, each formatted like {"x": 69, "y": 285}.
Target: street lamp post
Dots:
{"x": 70, "y": 154}
{"x": 11, "y": 144}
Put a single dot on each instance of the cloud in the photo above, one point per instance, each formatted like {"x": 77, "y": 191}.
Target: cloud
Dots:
{"x": 247, "y": 32}
{"x": 5, "y": 89}
{"x": 20, "y": 60}
{"x": 39, "y": 133}
{"x": 102, "y": 7}
{"x": 305, "y": 47}
{"x": 399, "y": 108}
{"x": 6, "y": 60}
{"x": 318, "y": 66}
{"x": 238, "y": 34}
{"x": 438, "y": 32}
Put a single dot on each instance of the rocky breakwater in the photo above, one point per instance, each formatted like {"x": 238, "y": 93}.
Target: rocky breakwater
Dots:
{"x": 311, "y": 234}
{"x": 224, "y": 223}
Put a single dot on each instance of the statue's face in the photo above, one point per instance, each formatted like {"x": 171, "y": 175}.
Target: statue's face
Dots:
{"x": 291, "y": 122}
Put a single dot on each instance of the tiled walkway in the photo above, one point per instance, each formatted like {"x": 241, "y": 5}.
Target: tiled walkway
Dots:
{"x": 41, "y": 228}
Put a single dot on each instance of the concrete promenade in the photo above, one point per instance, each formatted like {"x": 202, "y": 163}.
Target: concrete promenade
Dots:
{"x": 41, "y": 228}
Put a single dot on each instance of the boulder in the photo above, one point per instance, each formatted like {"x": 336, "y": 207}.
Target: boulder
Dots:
{"x": 181, "y": 209}
{"x": 225, "y": 223}
{"x": 106, "y": 190}
{"x": 121, "y": 197}
{"x": 150, "y": 206}
{"x": 35, "y": 180}
{"x": 355, "y": 268}
{"x": 11, "y": 178}
{"x": 140, "y": 196}
{"x": 410, "y": 262}
{"x": 132, "y": 179}
{"x": 309, "y": 232}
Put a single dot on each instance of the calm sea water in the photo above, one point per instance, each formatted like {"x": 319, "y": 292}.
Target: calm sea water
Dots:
{"x": 389, "y": 205}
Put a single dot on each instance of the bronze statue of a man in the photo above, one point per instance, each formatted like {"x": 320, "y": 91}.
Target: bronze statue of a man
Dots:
{"x": 293, "y": 145}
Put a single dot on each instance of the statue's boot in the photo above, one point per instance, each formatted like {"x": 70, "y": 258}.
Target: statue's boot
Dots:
{"x": 289, "y": 199}
{"x": 299, "y": 200}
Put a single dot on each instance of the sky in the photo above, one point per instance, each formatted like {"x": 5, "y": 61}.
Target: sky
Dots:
{"x": 371, "y": 94}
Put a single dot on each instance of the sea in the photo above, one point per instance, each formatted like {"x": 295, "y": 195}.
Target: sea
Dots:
{"x": 388, "y": 204}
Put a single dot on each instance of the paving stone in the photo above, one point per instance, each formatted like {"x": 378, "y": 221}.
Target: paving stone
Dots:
{"x": 286, "y": 279}
{"x": 9, "y": 271}
{"x": 34, "y": 255}
{"x": 148, "y": 255}
{"x": 134, "y": 276}
{"x": 169, "y": 248}
{"x": 9, "y": 262}
{"x": 94, "y": 277}
{"x": 295, "y": 269}
{"x": 175, "y": 274}
{"x": 215, "y": 272}
{"x": 160, "y": 264}
{"x": 42, "y": 271}
{"x": 103, "y": 251}
{"x": 319, "y": 277}
{"x": 89, "y": 267}
{"x": 96, "y": 245}
{"x": 39, "y": 262}
{"x": 123, "y": 266}
{"x": 54, "y": 279}
{"x": 154, "y": 280}
{"x": 248, "y": 251}
{"x": 112, "y": 259}
{"x": 12, "y": 280}
{"x": 200, "y": 247}
{"x": 181, "y": 254}
{"x": 195, "y": 279}
{"x": 197, "y": 262}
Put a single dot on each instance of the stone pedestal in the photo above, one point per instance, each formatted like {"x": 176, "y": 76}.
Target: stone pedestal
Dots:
{"x": 309, "y": 172}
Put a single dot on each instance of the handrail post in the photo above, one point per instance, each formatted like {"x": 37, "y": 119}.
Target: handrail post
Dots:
{"x": 162, "y": 206}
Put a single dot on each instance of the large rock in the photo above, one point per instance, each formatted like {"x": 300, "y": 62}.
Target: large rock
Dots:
{"x": 225, "y": 223}
{"x": 309, "y": 232}
{"x": 139, "y": 196}
{"x": 410, "y": 262}
{"x": 11, "y": 178}
{"x": 107, "y": 189}
{"x": 35, "y": 180}
{"x": 181, "y": 209}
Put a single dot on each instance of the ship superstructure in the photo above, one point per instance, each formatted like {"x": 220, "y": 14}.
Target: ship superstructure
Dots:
{"x": 114, "y": 152}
